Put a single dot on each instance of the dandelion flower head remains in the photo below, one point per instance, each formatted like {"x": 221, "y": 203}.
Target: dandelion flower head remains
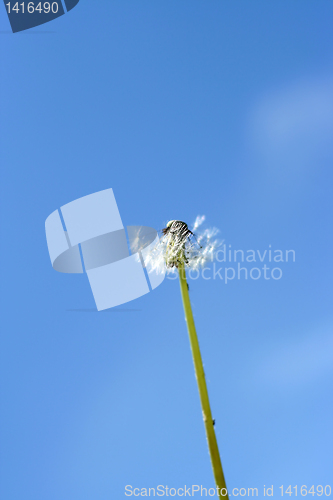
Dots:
{"x": 179, "y": 244}
{"x": 180, "y": 248}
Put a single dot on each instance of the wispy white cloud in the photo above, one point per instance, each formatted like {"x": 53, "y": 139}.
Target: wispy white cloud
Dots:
{"x": 292, "y": 128}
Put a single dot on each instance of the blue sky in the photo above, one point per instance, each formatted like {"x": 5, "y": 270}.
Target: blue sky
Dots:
{"x": 183, "y": 108}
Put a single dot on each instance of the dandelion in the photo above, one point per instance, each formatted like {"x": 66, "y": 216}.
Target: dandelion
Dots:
{"x": 181, "y": 248}
{"x": 179, "y": 243}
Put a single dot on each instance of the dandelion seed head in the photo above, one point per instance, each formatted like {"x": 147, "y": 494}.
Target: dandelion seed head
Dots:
{"x": 180, "y": 244}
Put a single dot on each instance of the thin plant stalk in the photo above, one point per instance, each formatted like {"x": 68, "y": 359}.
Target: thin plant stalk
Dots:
{"x": 202, "y": 386}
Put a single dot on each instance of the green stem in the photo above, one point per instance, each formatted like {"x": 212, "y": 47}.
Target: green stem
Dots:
{"x": 200, "y": 376}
